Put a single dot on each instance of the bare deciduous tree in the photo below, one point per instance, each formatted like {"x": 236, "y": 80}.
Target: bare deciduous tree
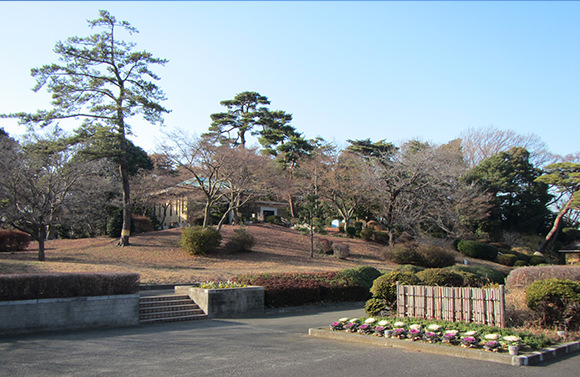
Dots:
{"x": 479, "y": 144}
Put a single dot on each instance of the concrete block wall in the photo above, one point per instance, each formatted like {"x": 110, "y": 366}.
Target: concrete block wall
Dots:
{"x": 228, "y": 302}
{"x": 68, "y": 313}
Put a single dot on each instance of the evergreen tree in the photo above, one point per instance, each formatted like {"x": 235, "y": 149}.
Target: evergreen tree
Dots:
{"x": 103, "y": 81}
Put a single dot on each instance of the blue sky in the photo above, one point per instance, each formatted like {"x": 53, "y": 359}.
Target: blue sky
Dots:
{"x": 345, "y": 70}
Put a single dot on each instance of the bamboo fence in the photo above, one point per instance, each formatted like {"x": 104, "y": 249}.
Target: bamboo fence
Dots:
{"x": 479, "y": 305}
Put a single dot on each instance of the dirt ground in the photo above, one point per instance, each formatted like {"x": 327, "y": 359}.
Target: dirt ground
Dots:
{"x": 159, "y": 259}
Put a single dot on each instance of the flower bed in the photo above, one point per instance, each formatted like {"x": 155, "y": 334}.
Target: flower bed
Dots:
{"x": 463, "y": 335}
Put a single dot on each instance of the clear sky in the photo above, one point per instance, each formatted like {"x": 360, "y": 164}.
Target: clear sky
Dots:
{"x": 345, "y": 70}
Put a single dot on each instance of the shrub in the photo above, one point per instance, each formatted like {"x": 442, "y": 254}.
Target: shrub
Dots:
{"x": 273, "y": 219}
{"x": 435, "y": 257}
{"x": 471, "y": 279}
{"x": 524, "y": 276}
{"x": 362, "y": 275}
{"x": 440, "y": 277}
{"x": 13, "y": 240}
{"x": 403, "y": 254}
{"x": 374, "y": 306}
{"x": 241, "y": 241}
{"x": 200, "y": 241}
{"x": 537, "y": 259}
{"x": 351, "y": 231}
{"x": 385, "y": 286}
{"x": 409, "y": 268}
{"x": 556, "y": 302}
{"x": 341, "y": 250}
{"x": 477, "y": 249}
{"x": 381, "y": 237}
{"x": 428, "y": 256}
{"x": 141, "y": 224}
{"x": 367, "y": 234}
{"x": 489, "y": 274}
{"x": 507, "y": 259}
{"x": 520, "y": 263}
{"x": 324, "y": 246}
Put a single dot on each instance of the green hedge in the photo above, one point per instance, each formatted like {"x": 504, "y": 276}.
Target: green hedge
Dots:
{"x": 38, "y": 286}
{"x": 477, "y": 249}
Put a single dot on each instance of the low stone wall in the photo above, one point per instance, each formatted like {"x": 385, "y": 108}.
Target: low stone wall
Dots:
{"x": 68, "y": 313}
{"x": 228, "y": 302}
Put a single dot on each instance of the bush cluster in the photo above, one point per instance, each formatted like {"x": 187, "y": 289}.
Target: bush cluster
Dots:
{"x": 385, "y": 286}
{"x": 427, "y": 256}
{"x": 516, "y": 259}
{"x": 485, "y": 274}
{"x": 241, "y": 241}
{"x": 200, "y": 241}
{"x": 371, "y": 233}
{"x": 294, "y": 289}
{"x": 364, "y": 276}
{"x": 507, "y": 259}
{"x": 13, "y": 240}
{"x": 325, "y": 246}
{"x": 477, "y": 249}
{"x": 441, "y": 277}
{"x": 556, "y": 302}
{"x": 37, "y": 286}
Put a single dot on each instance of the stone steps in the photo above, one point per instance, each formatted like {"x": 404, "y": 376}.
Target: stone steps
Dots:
{"x": 170, "y": 308}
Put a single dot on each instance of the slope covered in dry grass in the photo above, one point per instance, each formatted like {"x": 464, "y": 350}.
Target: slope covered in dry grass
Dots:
{"x": 158, "y": 258}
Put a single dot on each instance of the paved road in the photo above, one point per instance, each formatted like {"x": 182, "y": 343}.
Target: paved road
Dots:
{"x": 273, "y": 345}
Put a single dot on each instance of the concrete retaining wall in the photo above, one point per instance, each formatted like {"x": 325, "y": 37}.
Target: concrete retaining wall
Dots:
{"x": 223, "y": 303}
{"x": 68, "y": 313}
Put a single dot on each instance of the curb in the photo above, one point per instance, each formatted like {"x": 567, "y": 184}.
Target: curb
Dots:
{"x": 526, "y": 359}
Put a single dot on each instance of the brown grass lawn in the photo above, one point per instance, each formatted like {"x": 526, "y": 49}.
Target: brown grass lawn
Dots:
{"x": 159, "y": 259}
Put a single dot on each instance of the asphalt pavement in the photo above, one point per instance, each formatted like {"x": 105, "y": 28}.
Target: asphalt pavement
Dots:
{"x": 274, "y": 344}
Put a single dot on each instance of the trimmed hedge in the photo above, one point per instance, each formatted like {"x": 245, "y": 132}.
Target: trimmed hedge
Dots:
{"x": 295, "y": 289}
{"x": 524, "y": 276}
{"x": 38, "y": 286}
{"x": 441, "y": 277}
{"x": 427, "y": 256}
{"x": 362, "y": 275}
{"x": 487, "y": 274}
{"x": 507, "y": 259}
{"x": 385, "y": 286}
{"x": 477, "y": 249}
{"x": 13, "y": 240}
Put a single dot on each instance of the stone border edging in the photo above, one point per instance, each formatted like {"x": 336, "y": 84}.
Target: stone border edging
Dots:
{"x": 526, "y": 359}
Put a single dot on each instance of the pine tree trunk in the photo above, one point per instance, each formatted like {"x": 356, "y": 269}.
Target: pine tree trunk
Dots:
{"x": 556, "y": 227}
{"x": 126, "y": 228}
